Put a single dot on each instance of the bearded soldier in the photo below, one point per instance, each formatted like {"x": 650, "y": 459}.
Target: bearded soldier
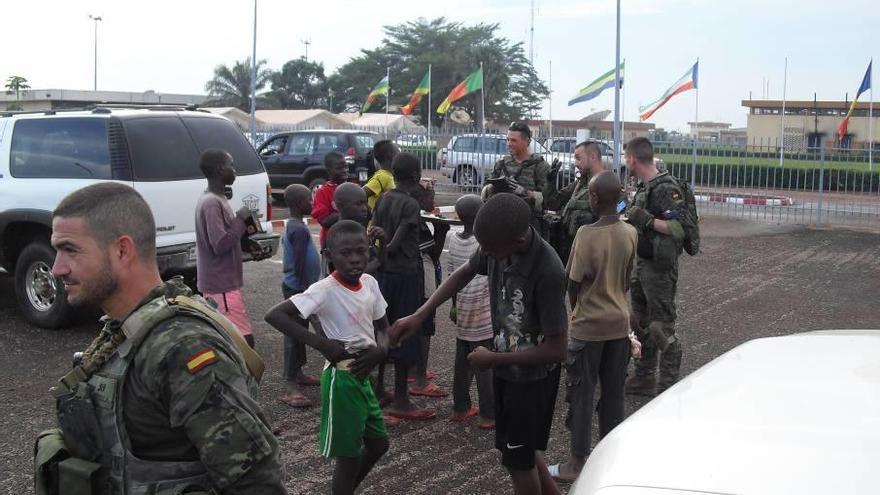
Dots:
{"x": 164, "y": 399}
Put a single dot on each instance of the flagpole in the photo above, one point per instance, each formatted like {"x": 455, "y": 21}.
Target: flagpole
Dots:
{"x": 782, "y": 129}
{"x": 482, "y": 101}
{"x": 623, "y": 105}
{"x": 430, "y": 89}
{"x": 387, "y": 98}
{"x": 550, "y": 98}
{"x": 616, "y": 131}
{"x": 696, "y": 125}
{"x": 871, "y": 117}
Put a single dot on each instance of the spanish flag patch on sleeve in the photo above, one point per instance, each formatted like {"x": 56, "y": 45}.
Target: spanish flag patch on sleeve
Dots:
{"x": 201, "y": 360}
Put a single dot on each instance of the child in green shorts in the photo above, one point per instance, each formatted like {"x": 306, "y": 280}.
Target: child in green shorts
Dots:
{"x": 350, "y": 333}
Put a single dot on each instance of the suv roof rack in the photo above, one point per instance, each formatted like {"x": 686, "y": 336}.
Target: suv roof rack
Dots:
{"x": 145, "y": 106}
{"x": 104, "y": 108}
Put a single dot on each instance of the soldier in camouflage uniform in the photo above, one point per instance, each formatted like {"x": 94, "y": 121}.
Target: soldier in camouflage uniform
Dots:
{"x": 659, "y": 212}
{"x": 164, "y": 399}
{"x": 572, "y": 203}
{"x": 525, "y": 172}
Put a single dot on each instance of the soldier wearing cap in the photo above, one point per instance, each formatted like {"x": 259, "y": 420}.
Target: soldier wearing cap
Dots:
{"x": 164, "y": 399}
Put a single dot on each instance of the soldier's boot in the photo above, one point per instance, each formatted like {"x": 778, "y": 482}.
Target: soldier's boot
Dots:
{"x": 670, "y": 362}
{"x": 641, "y": 385}
{"x": 662, "y": 333}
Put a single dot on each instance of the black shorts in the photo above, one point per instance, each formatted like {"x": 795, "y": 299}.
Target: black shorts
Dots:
{"x": 523, "y": 416}
{"x": 403, "y": 292}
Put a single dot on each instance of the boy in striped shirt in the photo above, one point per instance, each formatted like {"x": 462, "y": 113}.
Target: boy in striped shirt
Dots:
{"x": 472, "y": 319}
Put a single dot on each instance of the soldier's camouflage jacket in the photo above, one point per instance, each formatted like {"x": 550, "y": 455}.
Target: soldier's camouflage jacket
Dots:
{"x": 184, "y": 405}
{"x": 531, "y": 173}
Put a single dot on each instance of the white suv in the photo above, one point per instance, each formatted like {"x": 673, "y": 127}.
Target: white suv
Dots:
{"x": 44, "y": 156}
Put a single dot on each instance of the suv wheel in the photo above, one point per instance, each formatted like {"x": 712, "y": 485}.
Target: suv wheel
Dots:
{"x": 466, "y": 176}
{"x": 40, "y": 295}
{"x": 314, "y": 184}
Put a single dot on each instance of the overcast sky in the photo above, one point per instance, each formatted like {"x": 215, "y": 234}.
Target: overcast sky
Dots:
{"x": 173, "y": 46}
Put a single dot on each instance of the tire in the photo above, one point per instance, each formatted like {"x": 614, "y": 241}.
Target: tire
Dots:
{"x": 41, "y": 298}
{"x": 466, "y": 176}
{"x": 315, "y": 183}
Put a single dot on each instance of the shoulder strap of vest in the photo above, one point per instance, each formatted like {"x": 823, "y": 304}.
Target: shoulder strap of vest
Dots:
{"x": 664, "y": 177}
{"x": 252, "y": 360}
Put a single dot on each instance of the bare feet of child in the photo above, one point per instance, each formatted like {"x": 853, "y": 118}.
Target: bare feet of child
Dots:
{"x": 308, "y": 380}
{"x": 295, "y": 398}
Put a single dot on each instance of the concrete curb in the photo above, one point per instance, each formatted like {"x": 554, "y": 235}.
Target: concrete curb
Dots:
{"x": 745, "y": 199}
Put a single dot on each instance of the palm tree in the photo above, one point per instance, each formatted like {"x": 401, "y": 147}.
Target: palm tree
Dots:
{"x": 232, "y": 87}
{"x": 16, "y": 84}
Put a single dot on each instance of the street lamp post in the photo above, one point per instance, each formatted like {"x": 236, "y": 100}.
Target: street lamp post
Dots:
{"x": 97, "y": 19}
{"x": 254, "y": 81}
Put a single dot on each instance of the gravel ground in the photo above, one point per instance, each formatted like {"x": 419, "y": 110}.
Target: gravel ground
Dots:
{"x": 752, "y": 280}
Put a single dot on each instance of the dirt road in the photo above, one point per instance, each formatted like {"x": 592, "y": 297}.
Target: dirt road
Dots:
{"x": 752, "y": 280}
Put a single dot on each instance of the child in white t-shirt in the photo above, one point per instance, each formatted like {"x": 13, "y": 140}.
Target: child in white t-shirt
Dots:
{"x": 350, "y": 333}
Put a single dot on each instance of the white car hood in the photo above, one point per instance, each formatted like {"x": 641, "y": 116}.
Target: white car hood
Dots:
{"x": 797, "y": 414}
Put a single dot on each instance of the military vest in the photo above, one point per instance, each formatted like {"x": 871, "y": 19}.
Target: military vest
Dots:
{"x": 577, "y": 211}
{"x": 661, "y": 249}
{"x": 524, "y": 173}
{"x": 91, "y": 412}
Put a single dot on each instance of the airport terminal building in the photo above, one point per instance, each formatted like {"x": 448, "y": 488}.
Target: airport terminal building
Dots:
{"x": 808, "y": 123}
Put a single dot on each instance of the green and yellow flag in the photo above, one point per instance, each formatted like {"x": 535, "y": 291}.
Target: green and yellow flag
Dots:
{"x": 380, "y": 90}
{"x": 423, "y": 88}
{"x": 473, "y": 83}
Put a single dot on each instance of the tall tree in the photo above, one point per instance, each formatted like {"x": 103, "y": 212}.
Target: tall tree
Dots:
{"x": 15, "y": 85}
{"x": 232, "y": 87}
{"x": 512, "y": 87}
{"x": 299, "y": 84}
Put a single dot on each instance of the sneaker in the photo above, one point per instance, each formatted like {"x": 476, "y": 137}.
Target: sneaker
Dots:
{"x": 641, "y": 385}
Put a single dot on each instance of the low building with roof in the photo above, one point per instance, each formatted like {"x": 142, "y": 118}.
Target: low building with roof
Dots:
{"x": 302, "y": 119}
{"x": 810, "y": 122}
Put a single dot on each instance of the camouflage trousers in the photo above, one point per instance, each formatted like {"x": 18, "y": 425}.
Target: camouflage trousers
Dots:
{"x": 653, "y": 306}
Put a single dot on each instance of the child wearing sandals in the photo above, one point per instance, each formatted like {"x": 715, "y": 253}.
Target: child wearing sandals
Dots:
{"x": 430, "y": 248}
{"x": 472, "y": 319}
{"x": 302, "y": 268}
{"x": 348, "y": 313}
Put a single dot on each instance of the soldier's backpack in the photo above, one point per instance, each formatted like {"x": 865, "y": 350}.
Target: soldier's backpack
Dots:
{"x": 692, "y": 225}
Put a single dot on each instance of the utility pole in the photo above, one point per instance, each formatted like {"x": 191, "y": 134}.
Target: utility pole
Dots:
{"x": 306, "y": 42}
{"x": 97, "y": 19}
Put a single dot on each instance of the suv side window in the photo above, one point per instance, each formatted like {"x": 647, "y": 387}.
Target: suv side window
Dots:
{"x": 365, "y": 142}
{"x": 490, "y": 145}
{"x": 274, "y": 146}
{"x": 561, "y": 146}
{"x": 211, "y": 132}
{"x": 464, "y": 144}
{"x": 61, "y": 148}
{"x": 301, "y": 144}
{"x": 325, "y": 143}
{"x": 161, "y": 149}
